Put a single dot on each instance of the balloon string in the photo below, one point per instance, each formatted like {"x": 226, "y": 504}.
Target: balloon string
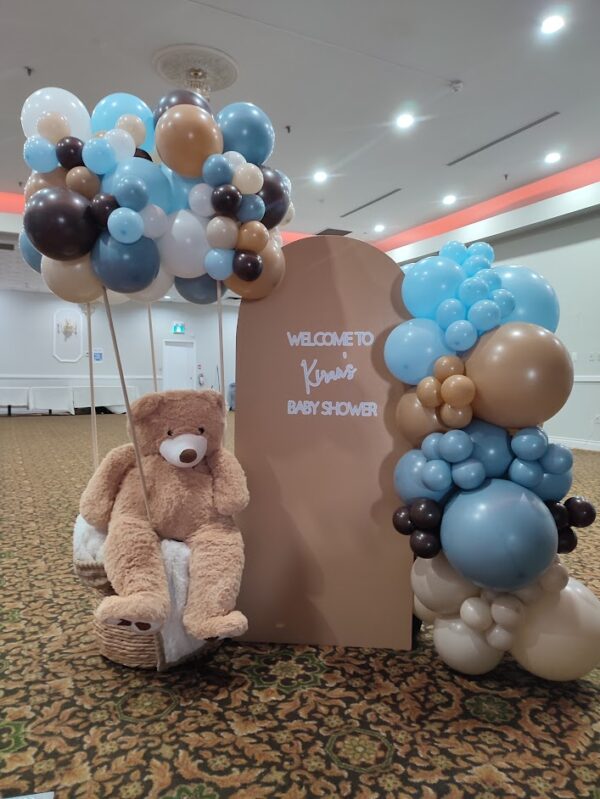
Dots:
{"x": 221, "y": 356}
{"x": 152, "y": 353}
{"x": 92, "y": 391}
{"x": 134, "y": 438}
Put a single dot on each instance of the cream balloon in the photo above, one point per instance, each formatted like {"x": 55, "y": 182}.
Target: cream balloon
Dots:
{"x": 156, "y": 222}
{"x": 53, "y": 126}
{"x": 289, "y": 214}
{"x": 476, "y": 613}
{"x": 506, "y": 611}
{"x": 234, "y": 159}
{"x": 184, "y": 245}
{"x": 463, "y": 648}
{"x": 500, "y": 638}
{"x": 559, "y": 636}
{"x": 73, "y": 281}
{"x": 122, "y": 143}
{"x": 426, "y": 615}
{"x": 156, "y": 290}
{"x": 54, "y": 100}
{"x": 555, "y": 578}
{"x": 222, "y": 232}
{"x": 439, "y": 586}
{"x": 248, "y": 179}
{"x": 114, "y": 298}
{"x": 200, "y": 200}
{"x": 134, "y": 125}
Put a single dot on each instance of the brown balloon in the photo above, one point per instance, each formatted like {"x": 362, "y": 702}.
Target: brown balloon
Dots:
{"x": 415, "y": 421}
{"x": 458, "y": 390}
{"x": 185, "y": 136}
{"x": 270, "y": 277}
{"x": 53, "y": 126}
{"x": 448, "y": 365}
{"x": 252, "y": 236}
{"x": 81, "y": 180}
{"x": 523, "y": 375}
{"x": 73, "y": 281}
{"x": 38, "y": 181}
{"x": 455, "y": 418}
{"x": 429, "y": 392}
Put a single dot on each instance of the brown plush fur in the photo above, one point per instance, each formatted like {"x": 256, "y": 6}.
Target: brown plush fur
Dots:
{"x": 192, "y": 505}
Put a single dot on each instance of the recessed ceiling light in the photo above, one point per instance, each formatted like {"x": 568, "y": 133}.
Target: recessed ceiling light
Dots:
{"x": 167, "y": 297}
{"x": 379, "y": 228}
{"x": 552, "y": 24}
{"x": 320, "y": 176}
{"x": 405, "y": 121}
{"x": 552, "y": 158}
{"x": 449, "y": 199}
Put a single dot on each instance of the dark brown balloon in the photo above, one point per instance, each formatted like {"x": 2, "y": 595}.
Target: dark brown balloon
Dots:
{"x": 180, "y": 97}
{"x": 559, "y": 513}
{"x": 424, "y": 544}
{"x": 401, "y": 521}
{"x": 60, "y": 224}
{"x": 139, "y": 153}
{"x": 270, "y": 277}
{"x": 102, "y": 207}
{"x": 247, "y": 265}
{"x": 68, "y": 152}
{"x": 275, "y": 195}
{"x": 426, "y": 514}
{"x": 567, "y": 540}
{"x": 226, "y": 199}
{"x": 581, "y": 512}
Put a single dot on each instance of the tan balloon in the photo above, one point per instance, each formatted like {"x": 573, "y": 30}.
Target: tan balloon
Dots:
{"x": 222, "y": 232}
{"x": 73, "y": 281}
{"x": 415, "y": 421}
{"x": 45, "y": 180}
{"x": 134, "y": 126}
{"x": 248, "y": 179}
{"x": 458, "y": 390}
{"x": 270, "y": 277}
{"x": 426, "y": 615}
{"x": 523, "y": 375}
{"x": 53, "y": 126}
{"x": 476, "y": 613}
{"x": 463, "y": 648}
{"x": 439, "y": 586}
{"x": 253, "y": 236}
{"x": 455, "y": 418}
{"x": 185, "y": 136}
{"x": 448, "y": 365}
{"x": 81, "y": 180}
{"x": 429, "y": 392}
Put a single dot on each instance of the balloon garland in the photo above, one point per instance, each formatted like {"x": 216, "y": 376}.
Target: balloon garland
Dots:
{"x": 484, "y": 488}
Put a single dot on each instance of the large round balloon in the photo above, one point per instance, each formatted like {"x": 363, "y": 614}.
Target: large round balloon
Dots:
{"x": 415, "y": 421}
{"x": 156, "y": 182}
{"x": 491, "y": 446}
{"x": 180, "y": 188}
{"x": 275, "y": 194}
{"x": 185, "y": 136}
{"x": 523, "y": 375}
{"x": 109, "y": 109}
{"x": 29, "y": 253}
{"x": 535, "y": 299}
{"x": 125, "y": 267}
{"x": 73, "y": 281}
{"x": 60, "y": 224}
{"x": 247, "y": 130}
{"x": 463, "y": 648}
{"x": 44, "y": 180}
{"x": 180, "y": 97}
{"x": 184, "y": 245}
{"x": 559, "y": 635}
{"x": 270, "y": 277}
{"x": 500, "y": 536}
{"x": 412, "y": 349}
{"x": 201, "y": 290}
{"x": 54, "y": 100}
{"x": 428, "y": 283}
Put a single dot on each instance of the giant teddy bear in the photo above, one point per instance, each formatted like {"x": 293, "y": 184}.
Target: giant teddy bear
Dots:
{"x": 194, "y": 488}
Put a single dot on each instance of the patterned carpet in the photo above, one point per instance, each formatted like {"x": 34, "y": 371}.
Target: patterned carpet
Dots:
{"x": 255, "y": 721}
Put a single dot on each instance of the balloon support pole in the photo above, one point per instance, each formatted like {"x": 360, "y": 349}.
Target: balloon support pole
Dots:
{"x": 221, "y": 357}
{"x": 92, "y": 391}
{"x": 152, "y": 352}
{"x": 134, "y": 438}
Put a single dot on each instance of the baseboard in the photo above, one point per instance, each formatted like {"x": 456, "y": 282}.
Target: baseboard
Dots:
{"x": 577, "y": 443}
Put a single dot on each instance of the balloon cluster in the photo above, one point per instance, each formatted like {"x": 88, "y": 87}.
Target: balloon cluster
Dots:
{"x": 483, "y": 486}
{"x": 101, "y": 211}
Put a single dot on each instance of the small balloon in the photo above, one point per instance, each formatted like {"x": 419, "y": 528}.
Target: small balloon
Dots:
{"x": 402, "y": 522}
{"x": 30, "y": 255}
{"x": 275, "y": 194}
{"x": 112, "y": 108}
{"x": 429, "y": 392}
{"x": 200, "y": 200}
{"x": 38, "y": 181}
{"x": 425, "y": 545}
{"x": 131, "y": 192}
{"x": 218, "y": 263}
{"x": 567, "y": 541}
{"x": 125, "y": 225}
{"x": 270, "y": 277}
{"x": 134, "y": 125}
{"x": 81, "y": 180}
{"x": 414, "y": 420}
{"x": 222, "y": 233}
{"x": 180, "y": 97}
{"x": 226, "y": 200}
{"x": 99, "y": 156}
{"x": 456, "y": 418}
{"x": 40, "y": 154}
{"x": 102, "y": 206}
{"x": 581, "y": 512}
{"x": 252, "y": 208}
{"x": 448, "y": 365}
{"x": 461, "y": 335}
{"x": 247, "y": 178}
{"x": 247, "y": 265}
{"x": 247, "y": 130}
{"x": 252, "y": 236}
{"x": 156, "y": 222}
{"x": 425, "y": 514}
{"x": 217, "y": 170}
{"x": 458, "y": 391}
{"x": 53, "y": 126}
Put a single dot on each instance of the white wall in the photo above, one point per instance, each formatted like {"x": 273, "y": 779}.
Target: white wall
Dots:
{"x": 26, "y": 341}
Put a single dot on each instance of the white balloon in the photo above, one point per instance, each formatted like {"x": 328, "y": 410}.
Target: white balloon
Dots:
{"x": 234, "y": 159}
{"x": 439, "y": 586}
{"x": 122, "y": 143}
{"x": 156, "y": 222}
{"x": 156, "y": 290}
{"x": 531, "y": 593}
{"x": 200, "y": 199}
{"x": 248, "y": 179}
{"x": 475, "y": 612}
{"x": 500, "y": 638}
{"x": 506, "y": 611}
{"x": 463, "y": 648}
{"x": 276, "y": 236}
{"x": 114, "y": 298}
{"x": 426, "y": 615}
{"x": 555, "y": 578}
{"x": 289, "y": 214}
{"x": 62, "y": 101}
{"x": 184, "y": 245}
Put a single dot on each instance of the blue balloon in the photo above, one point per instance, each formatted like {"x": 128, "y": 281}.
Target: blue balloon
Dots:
{"x": 252, "y": 208}
{"x": 485, "y": 315}
{"x": 407, "y": 478}
{"x": 468, "y": 474}
{"x": 501, "y": 535}
{"x": 450, "y": 311}
{"x": 530, "y": 443}
{"x": 40, "y": 154}
{"x": 430, "y": 282}
{"x": 412, "y": 348}
{"x": 535, "y": 299}
{"x": 125, "y": 225}
{"x": 219, "y": 263}
{"x": 436, "y": 475}
{"x": 106, "y": 114}
{"x": 491, "y": 446}
{"x": 455, "y": 446}
{"x": 491, "y": 278}
{"x": 217, "y": 170}
{"x": 505, "y": 300}
{"x": 131, "y": 192}
{"x": 475, "y": 264}
{"x": 199, "y": 290}
{"x": 125, "y": 267}
{"x": 554, "y": 486}
{"x": 472, "y": 290}
{"x": 454, "y": 250}
{"x": 99, "y": 156}
{"x": 482, "y": 248}
{"x": 157, "y": 183}
{"x": 461, "y": 335}
{"x": 30, "y": 255}
{"x": 430, "y": 446}
{"x": 247, "y": 130}
{"x": 180, "y": 188}
{"x": 525, "y": 473}
{"x": 557, "y": 459}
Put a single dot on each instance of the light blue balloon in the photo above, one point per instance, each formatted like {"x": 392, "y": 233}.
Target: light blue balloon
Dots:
{"x": 252, "y": 208}
{"x": 408, "y": 481}
{"x": 491, "y": 446}
{"x": 455, "y": 446}
{"x": 491, "y": 278}
{"x": 125, "y": 225}
{"x": 412, "y": 348}
{"x": 554, "y": 486}
{"x": 505, "y": 300}
{"x": 535, "y": 299}
{"x": 557, "y": 459}
{"x": 125, "y": 267}
{"x": 485, "y": 315}
{"x": 29, "y": 253}
{"x": 482, "y": 248}
{"x": 106, "y": 114}
{"x": 472, "y": 290}
{"x": 450, "y": 311}
{"x": 40, "y": 154}
{"x": 530, "y": 444}
{"x": 247, "y": 130}
{"x": 131, "y": 192}
{"x": 99, "y": 156}
{"x": 468, "y": 474}
{"x": 217, "y": 170}
{"x": 475, "y": 264}
{"x": 436, "y": 475}
{"x": 219, "y": 263}
{"x": 461, "y": 335}
{"x": 430, "y": 446}
{"x": 501, "y": 535}
{"x": 454, "y": 250}
{"x": 525, "y": 473}
{"x": 157, "y": 183}
{"x": 430, "y": 282}
{"x": 180, "y": 188}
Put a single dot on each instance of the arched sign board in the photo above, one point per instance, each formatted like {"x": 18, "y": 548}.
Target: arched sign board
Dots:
{"x": 315, "y": 433}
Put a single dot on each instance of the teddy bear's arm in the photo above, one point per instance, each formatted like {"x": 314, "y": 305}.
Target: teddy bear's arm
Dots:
{"x": 97, "y": 500}
{"x": 230, "y": 490}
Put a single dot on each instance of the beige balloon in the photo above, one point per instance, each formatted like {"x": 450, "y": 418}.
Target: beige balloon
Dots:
{"x": 252, "y": 236}
{"x": 455, "y": 418}
{"x": 81, "y": 180}
{"x": 429, "y": 391}
{"x": 185, "y": 136}
{"x": 73, "y": 281}
{"x": 134, "y": 126}
{"x": 448, "y": 365}
{"x": 248, "y": 179}
{"x": 500, "y": 638}
{"x": 222, "y": 232}
{"x": 426, "y": 615}
{"x": 476, "y": 613}
{"x": 458, "y": 391}
{"x": 415, "y": 421}
{"x": 38, "y": 181}
{"x": 53, "y": 126}
{"x": 506, "y": 611}
{"x": 559, "y": 636}
{"x": 439, "y": 586}
{"x": 463, "y": 648}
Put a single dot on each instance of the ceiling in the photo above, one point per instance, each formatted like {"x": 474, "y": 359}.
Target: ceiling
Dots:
{"x": 338, "y": 73}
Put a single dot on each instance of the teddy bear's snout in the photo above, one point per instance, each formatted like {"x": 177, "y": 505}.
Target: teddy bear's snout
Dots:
{"x": 188, "y": 455}
{"x": 184, "y": 451}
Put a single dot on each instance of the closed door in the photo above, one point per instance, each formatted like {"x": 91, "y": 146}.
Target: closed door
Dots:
{"x": 179, "y": 364}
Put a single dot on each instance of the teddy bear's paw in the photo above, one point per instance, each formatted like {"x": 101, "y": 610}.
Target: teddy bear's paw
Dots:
{"x": 129, "y": 613}
{"x": 228, "y": 626}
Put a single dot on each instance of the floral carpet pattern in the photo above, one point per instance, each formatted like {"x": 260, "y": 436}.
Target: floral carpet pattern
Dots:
{"x": 253, "y": 721}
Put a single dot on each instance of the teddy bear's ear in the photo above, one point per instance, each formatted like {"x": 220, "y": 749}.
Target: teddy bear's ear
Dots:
{"x": 146, "y": 406}
{"x": 214, "y": 398}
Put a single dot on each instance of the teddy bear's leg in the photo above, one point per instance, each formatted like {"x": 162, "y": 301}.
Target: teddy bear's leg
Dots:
{"x": 135, "y": 568}
{"x": 216, "y": 564}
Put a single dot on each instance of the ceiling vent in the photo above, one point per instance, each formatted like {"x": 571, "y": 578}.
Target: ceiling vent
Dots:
{"x": 333, "y": 231}
{"x": 371, "y": 202}
{"x": 192, "y": 66}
